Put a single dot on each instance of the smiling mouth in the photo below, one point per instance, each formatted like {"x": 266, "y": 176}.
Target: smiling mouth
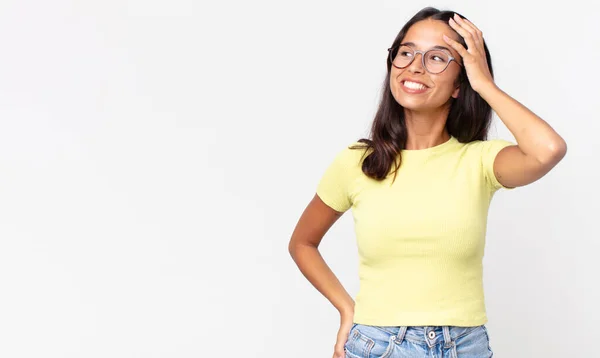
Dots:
{"x": 413, "y": 87}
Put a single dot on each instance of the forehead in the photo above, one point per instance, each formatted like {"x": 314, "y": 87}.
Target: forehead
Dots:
{"x": 426, "y": 34}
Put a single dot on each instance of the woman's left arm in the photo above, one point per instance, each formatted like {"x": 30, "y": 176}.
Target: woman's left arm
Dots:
{"x": 539, "y": 147}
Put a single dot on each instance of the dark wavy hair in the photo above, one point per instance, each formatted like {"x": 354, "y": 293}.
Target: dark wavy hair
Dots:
{"x": 468, "y": 120}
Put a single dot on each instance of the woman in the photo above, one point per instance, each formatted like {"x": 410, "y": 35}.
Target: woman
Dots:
{"x": 420, "y": 190}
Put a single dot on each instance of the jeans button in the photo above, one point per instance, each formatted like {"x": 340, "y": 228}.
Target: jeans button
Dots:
{"x": 431, "y": 334}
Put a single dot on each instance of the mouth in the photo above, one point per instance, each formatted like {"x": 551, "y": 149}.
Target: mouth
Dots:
{"x": 413, "y": 87}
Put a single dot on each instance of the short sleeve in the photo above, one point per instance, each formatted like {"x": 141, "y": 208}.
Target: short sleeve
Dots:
{"x": 334, "y": 186}
{"x": 490, "y": 149}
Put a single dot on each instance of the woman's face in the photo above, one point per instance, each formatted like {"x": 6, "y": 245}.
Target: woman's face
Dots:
{"x": 440, "y": 87}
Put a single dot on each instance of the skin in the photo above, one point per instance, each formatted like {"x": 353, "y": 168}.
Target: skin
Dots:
{"x": 426, "y": 113}
{"x": 539, "y": 147}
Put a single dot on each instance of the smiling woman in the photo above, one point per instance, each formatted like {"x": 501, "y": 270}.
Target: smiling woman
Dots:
{"x": 420, "y": 189}
{"x": 438, "y": 72}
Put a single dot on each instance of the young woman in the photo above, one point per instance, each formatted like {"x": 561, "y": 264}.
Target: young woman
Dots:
{"x": 420, "y": 190}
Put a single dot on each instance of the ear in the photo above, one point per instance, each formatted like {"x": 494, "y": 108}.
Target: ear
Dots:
{"x": 456, "y": 91}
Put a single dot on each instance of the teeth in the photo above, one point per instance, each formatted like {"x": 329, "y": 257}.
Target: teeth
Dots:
{"x": 414, "y": 85}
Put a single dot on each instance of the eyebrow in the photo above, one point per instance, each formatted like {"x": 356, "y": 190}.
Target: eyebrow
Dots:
{"x": 437, "y": 47}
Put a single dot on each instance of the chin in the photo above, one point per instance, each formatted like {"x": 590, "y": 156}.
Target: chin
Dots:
{"x": 419, "y": 104}
{"x": 414, "y": 105}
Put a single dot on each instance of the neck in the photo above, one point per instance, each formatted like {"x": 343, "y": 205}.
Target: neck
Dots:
{"x": 426, "y": 129}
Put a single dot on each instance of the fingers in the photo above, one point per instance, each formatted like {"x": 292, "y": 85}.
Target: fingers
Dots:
{"x": 475, "y": 34}
{"x": 468, "y": 36}
{"x": 457, "y": 46}
{"x": 469, "y": 23}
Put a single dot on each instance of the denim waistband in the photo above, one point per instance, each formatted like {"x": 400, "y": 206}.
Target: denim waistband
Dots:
{"x": 430, "y": 335}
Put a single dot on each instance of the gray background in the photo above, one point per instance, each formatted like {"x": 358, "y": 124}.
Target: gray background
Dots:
{"x": 156, "y": 156}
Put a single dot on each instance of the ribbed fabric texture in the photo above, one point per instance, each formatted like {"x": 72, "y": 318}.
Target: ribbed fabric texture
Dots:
{"x": 420, "y": 239}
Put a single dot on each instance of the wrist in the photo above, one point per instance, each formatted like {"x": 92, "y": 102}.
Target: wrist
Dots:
{"x": 486, "y": 88}
{"x": 347, "y": 311}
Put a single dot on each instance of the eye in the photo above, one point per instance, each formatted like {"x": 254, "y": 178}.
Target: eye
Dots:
{"x": 405, "y": 53}
{"x": 438, "y": 57}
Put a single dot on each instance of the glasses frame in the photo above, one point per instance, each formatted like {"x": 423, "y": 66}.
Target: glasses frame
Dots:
{"x": 423, "y": 53}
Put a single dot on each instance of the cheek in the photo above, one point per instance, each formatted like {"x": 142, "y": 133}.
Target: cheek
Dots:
{"x": 445, "y": 84}
{"x": 394, "y": 85}
{"x": 394, "y": 78}
{"x": 448, "y": 79}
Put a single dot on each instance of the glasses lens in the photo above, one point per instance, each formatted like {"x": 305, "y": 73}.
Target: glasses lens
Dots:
{"x": 436, "y": 61}
{"x": 402, "y": 56}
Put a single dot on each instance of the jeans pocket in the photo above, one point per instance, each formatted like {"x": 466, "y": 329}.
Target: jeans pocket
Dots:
{"x": 487, "y": 337}
{"x": 369, "y": 342}
{"x": 474, "y": 343}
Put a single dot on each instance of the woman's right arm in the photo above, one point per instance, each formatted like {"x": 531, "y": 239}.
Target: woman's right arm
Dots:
{"x": 310, "y": 229}
{"x": 315, "y": 221}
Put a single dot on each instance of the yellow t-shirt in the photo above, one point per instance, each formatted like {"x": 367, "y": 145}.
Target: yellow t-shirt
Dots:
{"x": 420, "y": 239}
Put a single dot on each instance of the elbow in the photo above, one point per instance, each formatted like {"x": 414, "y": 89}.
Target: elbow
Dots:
{"x": 555, "y": 153}
{"x": 293, "y": 249}
{"x": 558, "y": 149}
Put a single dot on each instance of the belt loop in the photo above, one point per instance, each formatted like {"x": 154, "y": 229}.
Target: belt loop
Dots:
{"x": 448, "y": 343}
{"x": 447, "y": 338}
{"x": 401, "y": 334}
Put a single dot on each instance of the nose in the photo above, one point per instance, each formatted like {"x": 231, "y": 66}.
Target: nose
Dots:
{"x": 416, "y": 66}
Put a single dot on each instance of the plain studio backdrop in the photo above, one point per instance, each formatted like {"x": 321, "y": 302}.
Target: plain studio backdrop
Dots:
{"x": 155, "y": 157}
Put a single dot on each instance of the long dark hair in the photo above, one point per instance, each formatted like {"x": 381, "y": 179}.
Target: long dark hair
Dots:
{"x": 468, "y": 120}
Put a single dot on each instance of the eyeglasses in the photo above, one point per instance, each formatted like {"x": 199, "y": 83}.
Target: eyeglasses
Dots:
{"x": 434, "y": 61}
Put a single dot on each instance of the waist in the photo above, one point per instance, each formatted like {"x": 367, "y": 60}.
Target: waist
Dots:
{"x": 420, "y": 334}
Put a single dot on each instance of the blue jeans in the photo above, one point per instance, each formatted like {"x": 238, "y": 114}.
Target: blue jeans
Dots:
{"x": 417, "y": 342}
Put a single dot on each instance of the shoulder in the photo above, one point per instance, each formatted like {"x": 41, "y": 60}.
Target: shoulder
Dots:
{"x": 486, "y": 147}
{"x": 353, "y": 153}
